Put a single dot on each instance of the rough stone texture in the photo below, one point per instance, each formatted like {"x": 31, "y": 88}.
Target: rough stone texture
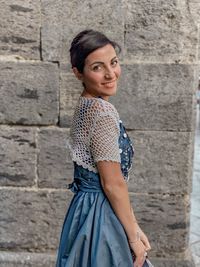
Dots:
{"x": 163, "y": 218}
{"x": 17, "y": 156}
{"x": 20, "y": 28}
{"x": 199, "y": 50}
{"x": 157, "y": 31}
{"x": 51, "y": 32}
{"x": 55, "y": 168}
{"x": 12, "y": 259}
{"x": 162, "y": 162}
{"x": 70, "y": 91}
{"x": 31, "y": 91}
{"x": 104, "y": 15}
{"x": 156, "y": 96}
{"x": 194, "y": 6}
{"x": 163, "y": 262}
{"x": 32, "y": 220}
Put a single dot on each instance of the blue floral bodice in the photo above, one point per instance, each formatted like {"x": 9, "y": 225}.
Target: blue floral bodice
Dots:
{"x": 126, "y": 151}
{"x": 88, "y": 180}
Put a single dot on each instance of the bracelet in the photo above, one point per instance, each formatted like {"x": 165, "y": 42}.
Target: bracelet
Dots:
{"x": 137, "y": 238}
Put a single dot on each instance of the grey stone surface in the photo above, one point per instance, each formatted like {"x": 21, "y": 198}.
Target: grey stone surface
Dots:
{"x": 70, "y": 91}
{"x": 58, "y": 23}
{"x": 160, "y": 31}
{"x": 25, "y": 259}
{"x": 173, "y": 262}
{"x": 31, "y": 221}
{"x": 162, "y": 162}
{"x": 164, "y": 218}
{"x": 194, "y": 7}
{"x": 156, "y": 97}
{"x": 18, "y": 160}
{"x": 29, "y": 93}
{"x": 55, "y": 168}
{"x": 198, "y": 52}
{"x": 20, "y": 28}
{"x": 51, "y": 32}
{"x": 195, "y": 198}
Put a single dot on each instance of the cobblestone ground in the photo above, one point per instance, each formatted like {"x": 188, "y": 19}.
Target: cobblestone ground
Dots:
{"x": 195, "y": 198}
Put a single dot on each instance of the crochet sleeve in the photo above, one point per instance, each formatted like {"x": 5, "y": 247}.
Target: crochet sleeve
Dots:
{"x": 104, "y": 139}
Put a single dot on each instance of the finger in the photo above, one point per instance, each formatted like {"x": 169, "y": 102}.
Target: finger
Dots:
{"x": 139, "y": 262}
{"x": 147, "y": 248}
{"x": 146, "y": 244}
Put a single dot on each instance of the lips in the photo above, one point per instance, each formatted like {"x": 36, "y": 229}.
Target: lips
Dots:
{"x": 108, "y": 83}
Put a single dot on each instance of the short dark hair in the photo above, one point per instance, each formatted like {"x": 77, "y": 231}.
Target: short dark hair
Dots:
{"x": 85, "y": 43}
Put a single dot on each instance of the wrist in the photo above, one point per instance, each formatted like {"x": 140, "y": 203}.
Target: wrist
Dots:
{"x": 135, "y": 238}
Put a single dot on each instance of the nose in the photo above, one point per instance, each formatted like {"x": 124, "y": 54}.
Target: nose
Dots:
{"x": 109, "y": 73}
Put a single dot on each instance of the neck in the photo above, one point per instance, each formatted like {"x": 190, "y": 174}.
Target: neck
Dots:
{"x": 89, "y": 95}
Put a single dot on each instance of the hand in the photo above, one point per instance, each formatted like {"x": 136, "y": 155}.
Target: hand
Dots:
{"x": 144, "y": 240}
{"x": 139, "y": 252}
{"x": 140, "y": 246}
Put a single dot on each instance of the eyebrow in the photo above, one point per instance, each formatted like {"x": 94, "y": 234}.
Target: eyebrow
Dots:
{"x": 100, "y": 62}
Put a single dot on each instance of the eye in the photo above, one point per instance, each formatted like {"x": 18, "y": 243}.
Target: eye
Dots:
{"x": 114, "y": 62}
{"x": 96, "y": 68}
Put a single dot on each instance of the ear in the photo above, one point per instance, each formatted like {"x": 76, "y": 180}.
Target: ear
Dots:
{"x": 77, "y": 73}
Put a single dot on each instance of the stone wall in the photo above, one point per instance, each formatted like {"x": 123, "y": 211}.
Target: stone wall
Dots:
{"x": 156, "y": 101}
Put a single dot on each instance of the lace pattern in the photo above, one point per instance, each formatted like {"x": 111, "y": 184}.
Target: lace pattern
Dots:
{"x": 94, "y": 133}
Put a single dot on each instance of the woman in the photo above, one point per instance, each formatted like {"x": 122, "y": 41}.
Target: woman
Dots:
{"x": 100, "y": 228}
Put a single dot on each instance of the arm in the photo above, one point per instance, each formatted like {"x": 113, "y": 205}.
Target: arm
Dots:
{"x": 105, "y": 152}
{"x": 116, "y": 191}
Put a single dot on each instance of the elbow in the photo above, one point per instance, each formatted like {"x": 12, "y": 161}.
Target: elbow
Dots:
{"x": 114, "y": 188}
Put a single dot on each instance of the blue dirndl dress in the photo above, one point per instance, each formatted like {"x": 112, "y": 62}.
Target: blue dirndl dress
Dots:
{"x": 92, "y": 235}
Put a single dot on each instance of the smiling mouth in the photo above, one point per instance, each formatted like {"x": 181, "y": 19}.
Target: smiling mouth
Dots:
{"x": 109, "y": 82}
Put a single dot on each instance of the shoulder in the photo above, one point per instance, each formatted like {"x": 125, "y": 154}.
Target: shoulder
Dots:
{"x": 99, "y": 107}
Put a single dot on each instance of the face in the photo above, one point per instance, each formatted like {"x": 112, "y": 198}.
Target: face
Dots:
{"x": 101, "y": 72}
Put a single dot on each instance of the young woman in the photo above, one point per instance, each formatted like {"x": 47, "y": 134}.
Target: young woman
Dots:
{"x": 100, "y": 228}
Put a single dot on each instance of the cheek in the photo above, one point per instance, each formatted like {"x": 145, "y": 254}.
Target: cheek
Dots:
{"x": 95, "y": 78}
{"x": 118, "y": 71}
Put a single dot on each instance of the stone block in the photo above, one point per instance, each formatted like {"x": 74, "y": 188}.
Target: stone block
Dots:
{"x": 173, "y": 262}
{"x": 55, "y": 167}
{"x": 70, "y": 91}
{"x": 156, "y": 97}
{"x": 198, "y": 50}
{"x": 194, "y": 7}
{"x": 20, "y": 28}
{"x": 58, "y": 27}
{"x": 51, "y": 31}
{"x": 164, "y": 218}
{"x": 159, "y": 31}
{"x": 31, "y": 221}
{"x": 162, "y": 162}
{"x": 29, "y": 93}
{"x": 17, "y": 156}
{"x": 25, "y": 259}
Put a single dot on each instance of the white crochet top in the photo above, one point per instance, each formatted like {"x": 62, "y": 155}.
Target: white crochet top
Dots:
{"x": 94, "y": 133}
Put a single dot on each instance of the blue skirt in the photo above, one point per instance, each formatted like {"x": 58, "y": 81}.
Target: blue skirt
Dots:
{"x": 92, "y": 235}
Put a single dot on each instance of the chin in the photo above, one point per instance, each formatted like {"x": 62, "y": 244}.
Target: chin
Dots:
{"x": 114, "y": 92}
